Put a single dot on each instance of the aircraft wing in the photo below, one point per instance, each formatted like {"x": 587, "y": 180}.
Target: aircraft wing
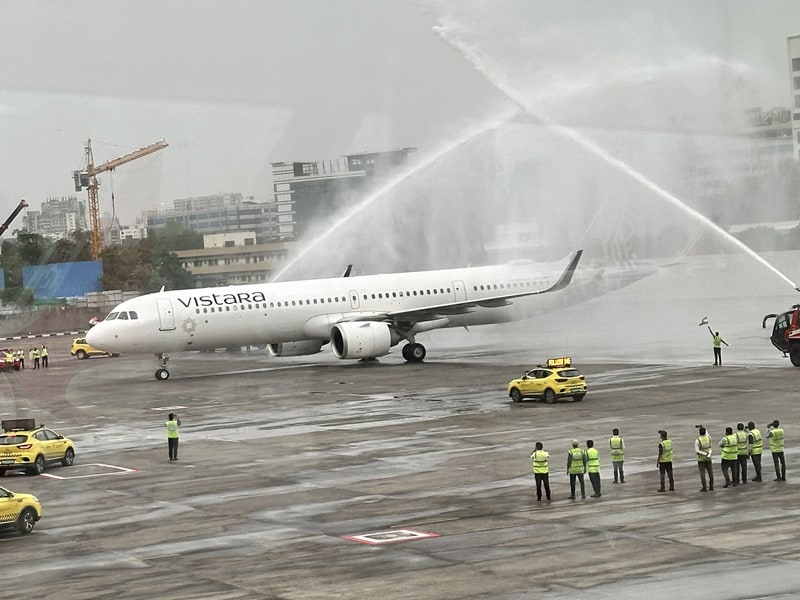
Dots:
{"x": 434, "y": 311}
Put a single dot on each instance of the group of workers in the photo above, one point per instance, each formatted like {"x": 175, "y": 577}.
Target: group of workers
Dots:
{"x": 738, "y": 448}
{"x": 15, "y": 359}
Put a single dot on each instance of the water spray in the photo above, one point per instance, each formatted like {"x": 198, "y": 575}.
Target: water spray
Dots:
{"x": 467, "y": 136}
{"x": 480, "y": 61}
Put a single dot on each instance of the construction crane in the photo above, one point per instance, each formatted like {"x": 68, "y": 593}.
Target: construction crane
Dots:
{"x": 88, "y": 179}
{"x": 22, "y": 204}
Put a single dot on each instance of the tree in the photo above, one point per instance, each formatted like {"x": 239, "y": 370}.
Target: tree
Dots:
{"x": 175, "y": 236}
{"x": 143, "y": 267}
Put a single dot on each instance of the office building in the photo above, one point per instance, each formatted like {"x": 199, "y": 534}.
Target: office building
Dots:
{"x": 308, "y": 191}
{"x": 793, "y": 43}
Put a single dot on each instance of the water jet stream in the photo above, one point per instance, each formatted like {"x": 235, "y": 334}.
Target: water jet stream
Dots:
{"x": 481, "y": 63}
{"x": 467, "y": 136}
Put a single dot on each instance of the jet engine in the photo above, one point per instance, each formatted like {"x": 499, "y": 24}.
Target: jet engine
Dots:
{"x": 300, "y": 348}
{"x": 360, "y": 339}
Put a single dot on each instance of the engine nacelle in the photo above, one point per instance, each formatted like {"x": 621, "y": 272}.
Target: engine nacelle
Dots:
{"x": 300, "y": 348}
{"x": 360, "y": 339}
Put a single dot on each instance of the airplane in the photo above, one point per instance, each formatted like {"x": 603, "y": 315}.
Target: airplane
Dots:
{"x": 362, "y": 317}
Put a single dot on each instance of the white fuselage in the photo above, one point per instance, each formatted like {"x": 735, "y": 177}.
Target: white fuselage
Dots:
{"x": 273, "y": 313}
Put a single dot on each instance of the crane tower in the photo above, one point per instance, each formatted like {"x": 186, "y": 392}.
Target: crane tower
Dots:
{"x": 88, "y": 179}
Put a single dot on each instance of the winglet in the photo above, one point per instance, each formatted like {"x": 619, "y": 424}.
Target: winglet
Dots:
{"x": 566, "y": 276}
{"x": 347, "y": 271}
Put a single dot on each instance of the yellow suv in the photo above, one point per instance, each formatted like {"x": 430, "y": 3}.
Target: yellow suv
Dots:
{"x": 23, "y": 446}
{"x": 81, "y": 349}
{"x": 21, "y": 511}
{"x": 559, "y": 379}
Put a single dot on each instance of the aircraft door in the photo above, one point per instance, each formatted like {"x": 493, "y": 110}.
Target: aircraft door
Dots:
{"x": 166, "y": 318}
{"x": 459, "y": 291}
{"x": 353, "y": 299}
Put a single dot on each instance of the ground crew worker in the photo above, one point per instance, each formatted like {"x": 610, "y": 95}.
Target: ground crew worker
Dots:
{"x": 541, "y": 470}
{"x": 741, "y": 454}
{"x": 173, "y": 435}
{"x": 755, "y": 446}
{"x": 576, "y": 467}
{"x": 44, "y": 356}
{"x": 702, "y": 448}
{"x": 717, "y": 346}
{"x": 664, "y": 461}
{"x": 730, "y": 456}
{"x": 593, "y": 467}
{"x": 35, "y": 352}
{"x": 9, "y": 357}
{"x": 617, "y": 445}
{"x": 21, "y": 358}
{"x": 776, "y": 442}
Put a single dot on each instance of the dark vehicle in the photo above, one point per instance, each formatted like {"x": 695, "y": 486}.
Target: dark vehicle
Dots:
{"x": 786, "y": 333}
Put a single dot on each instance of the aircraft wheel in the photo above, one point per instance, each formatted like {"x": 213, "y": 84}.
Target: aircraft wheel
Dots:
{"x": 162, "y": 374}
{"x": 414, "y": 352}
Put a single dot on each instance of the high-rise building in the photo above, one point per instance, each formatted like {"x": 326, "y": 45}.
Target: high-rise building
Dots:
{"x": 58, "y": 218}
{"x": 794, "y": 72}
{"x": 217, "y": 214}
{"x": 306, "y": 191}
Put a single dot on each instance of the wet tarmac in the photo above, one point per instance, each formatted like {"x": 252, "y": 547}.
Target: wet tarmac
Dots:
{"x": 288, "y": 465}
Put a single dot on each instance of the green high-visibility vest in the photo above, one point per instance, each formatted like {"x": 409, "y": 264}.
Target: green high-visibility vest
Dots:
{"x": 730, "y": 447}
{"x": 540, "y": 461}
{"x": 758, "y": 442}
{"x": 704, "y": 443}
{"x": 776, "y": 440}
{"x": 172, "y": 429}
{"x": 741, "y": 442}
{"x": 576, "y": 466}
{"x": 617, "y": 451}
{"x": 717, "y": 341}
{"x": 666, "y": 451}
{"x": 592, "y": 460}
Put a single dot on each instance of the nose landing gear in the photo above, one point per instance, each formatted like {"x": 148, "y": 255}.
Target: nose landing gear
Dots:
{"x": 162, "y": 374}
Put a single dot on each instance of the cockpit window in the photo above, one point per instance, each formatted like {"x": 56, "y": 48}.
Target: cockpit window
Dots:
{"x": 133, "y": 314}
{"x": 111, "y": 316}
{"x": 123, "y": 316}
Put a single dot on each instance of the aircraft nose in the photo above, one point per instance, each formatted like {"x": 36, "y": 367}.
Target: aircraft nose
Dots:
{"x": 95, "y": 337}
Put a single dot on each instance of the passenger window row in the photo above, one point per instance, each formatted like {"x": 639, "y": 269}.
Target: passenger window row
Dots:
{"x": 507, "y": 286}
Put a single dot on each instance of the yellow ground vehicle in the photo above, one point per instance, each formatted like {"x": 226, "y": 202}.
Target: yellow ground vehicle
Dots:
{"x": 21, "y": 511}
{"x": 23, "y": 446}
{"x": 555, "y": 381}
{"x": 81, "y": 349}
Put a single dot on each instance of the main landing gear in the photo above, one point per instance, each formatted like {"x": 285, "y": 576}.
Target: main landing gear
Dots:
{"x": 161, "y": 373}
{"x": 414, "y": 352}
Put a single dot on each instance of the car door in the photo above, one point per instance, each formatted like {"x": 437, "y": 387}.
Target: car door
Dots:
{"x": 7, "y": 507}
{"x": 526, "y": 383}
{"x": 45, "y": 447}
{"x": 537, "y": 383}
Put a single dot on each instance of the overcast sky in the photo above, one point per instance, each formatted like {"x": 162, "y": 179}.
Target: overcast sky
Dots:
{"x": 237, "y": 84}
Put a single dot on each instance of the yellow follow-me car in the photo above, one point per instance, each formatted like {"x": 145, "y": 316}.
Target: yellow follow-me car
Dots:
{"x": 21, "y": 511}
{"x": 82, "y": 349}
{"x": 559, "y": 379}
{"x": 23, "y": 446}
